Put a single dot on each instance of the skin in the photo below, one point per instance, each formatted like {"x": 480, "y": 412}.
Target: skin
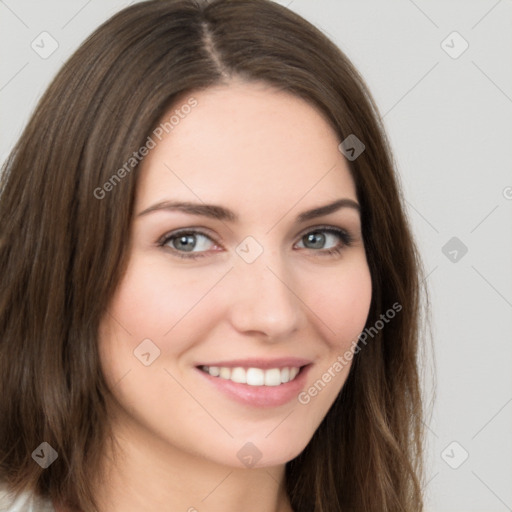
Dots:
{"x": 268, "y": 156}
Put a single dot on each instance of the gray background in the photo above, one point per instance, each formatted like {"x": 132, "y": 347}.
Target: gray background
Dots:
{"x": 450, "y": 126}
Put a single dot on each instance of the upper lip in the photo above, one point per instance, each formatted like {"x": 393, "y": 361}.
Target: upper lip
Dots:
{"x": 282, "y": 362}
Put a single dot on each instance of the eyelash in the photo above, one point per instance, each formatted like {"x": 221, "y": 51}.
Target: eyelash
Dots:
{"x": 344, "y": 236}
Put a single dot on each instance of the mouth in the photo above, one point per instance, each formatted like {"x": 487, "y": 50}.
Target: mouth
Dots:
{"x": 254, "y": 376}
{"x": 256, "y": 386}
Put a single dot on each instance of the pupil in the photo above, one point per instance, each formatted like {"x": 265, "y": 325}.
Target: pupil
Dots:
{"x": 188, "y": 242}
{"x": 316, "y": 239}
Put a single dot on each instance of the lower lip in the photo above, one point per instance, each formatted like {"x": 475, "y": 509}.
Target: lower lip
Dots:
{"x": 260, "y": 396}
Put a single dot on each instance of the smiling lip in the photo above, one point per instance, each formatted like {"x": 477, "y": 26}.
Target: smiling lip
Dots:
{"x": 264, "y": 364}
{"x": 260, "y": 396}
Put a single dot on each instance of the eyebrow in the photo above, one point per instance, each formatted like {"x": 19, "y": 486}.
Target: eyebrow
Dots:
{"x": 220, "y": 213}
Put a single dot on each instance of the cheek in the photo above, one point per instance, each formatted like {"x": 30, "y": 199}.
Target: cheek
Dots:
{"x": 341, "y": 300}
{"x": 154, "y": 302}
{"x": 154, "y": 297}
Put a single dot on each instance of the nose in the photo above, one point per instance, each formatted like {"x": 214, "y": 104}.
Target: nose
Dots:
{"x": 262, "y": 299}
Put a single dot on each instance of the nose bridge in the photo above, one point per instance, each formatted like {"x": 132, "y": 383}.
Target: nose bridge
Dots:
{"x": 264, "y": 301}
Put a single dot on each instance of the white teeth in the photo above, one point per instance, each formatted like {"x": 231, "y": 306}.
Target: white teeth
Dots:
{"x": 238, "y": 375}
{"x": 225, "y": 373}
{"x": 273, "y": 377}
{"x": 214, "y": 371}
{"x": 293, "y": 373}
{"x": 253, "y": 376}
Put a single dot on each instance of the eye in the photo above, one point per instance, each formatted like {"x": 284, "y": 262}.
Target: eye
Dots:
{"x": 187, "y": 244}
{"x": 191, "y": 243}
{"x": 326, "y": 240}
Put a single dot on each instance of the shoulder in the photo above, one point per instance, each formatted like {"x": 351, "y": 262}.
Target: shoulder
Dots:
{"x": 26, "y": 502}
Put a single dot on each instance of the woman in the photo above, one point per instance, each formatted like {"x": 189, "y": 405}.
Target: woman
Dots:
{"x": 210, "y": 292}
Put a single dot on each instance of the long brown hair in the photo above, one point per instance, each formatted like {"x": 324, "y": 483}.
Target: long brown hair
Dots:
{"x": 63, "y": 249}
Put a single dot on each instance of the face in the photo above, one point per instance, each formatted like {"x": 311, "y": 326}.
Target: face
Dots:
{"x": 227, "y": 336}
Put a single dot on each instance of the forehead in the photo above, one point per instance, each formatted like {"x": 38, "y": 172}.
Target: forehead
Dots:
{"x": 246, "y": 144}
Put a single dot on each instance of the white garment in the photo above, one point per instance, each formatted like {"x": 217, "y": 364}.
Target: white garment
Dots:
{"x": 26, "y": 502}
